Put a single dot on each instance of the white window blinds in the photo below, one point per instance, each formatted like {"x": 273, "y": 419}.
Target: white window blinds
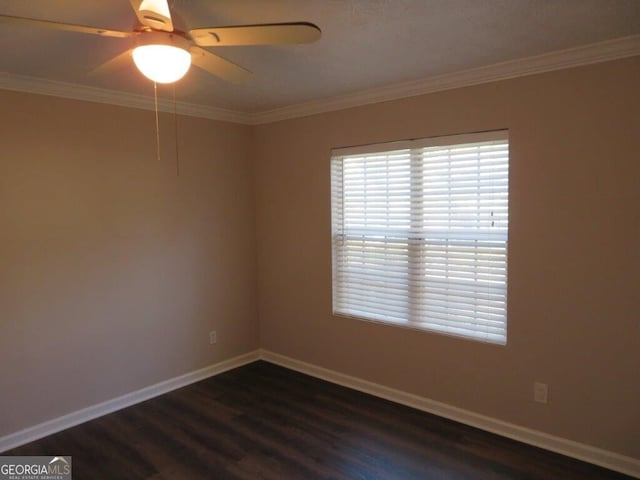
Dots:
{"x": 420, "y": 234}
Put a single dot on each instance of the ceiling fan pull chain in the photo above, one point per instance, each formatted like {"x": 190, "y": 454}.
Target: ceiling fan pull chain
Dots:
{"x": 175, "y": 128}
{"x": 155, "y": 98}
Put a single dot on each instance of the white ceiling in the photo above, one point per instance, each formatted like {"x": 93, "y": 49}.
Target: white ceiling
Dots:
{"x": 365, "y": 43}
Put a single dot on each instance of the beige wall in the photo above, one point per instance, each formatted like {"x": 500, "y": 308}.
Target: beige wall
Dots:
{"x": 574, "y": 255}
{"x": 112, "y": 269}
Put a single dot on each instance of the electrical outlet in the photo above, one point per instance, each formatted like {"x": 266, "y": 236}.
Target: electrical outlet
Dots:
{"x": 213, "y": 338}
{"x": 540, "y": 392}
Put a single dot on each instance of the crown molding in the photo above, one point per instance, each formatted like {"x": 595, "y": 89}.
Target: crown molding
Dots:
{"x": 41, "y": 86}
{"x": 572, "y": 57}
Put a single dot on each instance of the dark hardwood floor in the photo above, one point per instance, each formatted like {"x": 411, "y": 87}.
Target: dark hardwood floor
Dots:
{"x": 262, "y": 421}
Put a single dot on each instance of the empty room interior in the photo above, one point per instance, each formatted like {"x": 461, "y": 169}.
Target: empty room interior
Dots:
{"x": 320, "y": 239}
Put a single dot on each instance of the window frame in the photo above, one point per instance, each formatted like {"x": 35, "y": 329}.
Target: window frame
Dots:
{"x": 338, "y": 154}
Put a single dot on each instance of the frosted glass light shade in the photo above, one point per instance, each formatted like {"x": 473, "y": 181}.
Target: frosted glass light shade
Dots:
{"x": 162, "y": 63}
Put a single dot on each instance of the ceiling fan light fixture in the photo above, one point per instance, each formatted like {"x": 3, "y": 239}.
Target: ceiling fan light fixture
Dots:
{"x": 162, "y": 57}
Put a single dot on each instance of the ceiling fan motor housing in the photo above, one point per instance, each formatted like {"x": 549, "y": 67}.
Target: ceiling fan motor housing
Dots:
{"x": 155, "y": 37}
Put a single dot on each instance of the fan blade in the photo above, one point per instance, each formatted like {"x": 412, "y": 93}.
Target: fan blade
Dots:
{"x": 32, "y": 22}
{"x": 153, "y": 13}
{"x": 218, "y": 66}
{"x": 267, "y": 34}
{"x": 116, "y": 63}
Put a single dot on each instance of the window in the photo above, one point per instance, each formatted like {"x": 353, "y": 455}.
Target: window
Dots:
{"x": 419, "y": 234}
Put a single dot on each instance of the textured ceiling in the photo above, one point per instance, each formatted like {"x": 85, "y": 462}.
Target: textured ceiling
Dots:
{"x": 365, "y": 43}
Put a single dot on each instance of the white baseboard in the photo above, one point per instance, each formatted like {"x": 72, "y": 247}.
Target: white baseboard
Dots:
{"x": 80, "y": 416}
{"x": 580, "y": 451}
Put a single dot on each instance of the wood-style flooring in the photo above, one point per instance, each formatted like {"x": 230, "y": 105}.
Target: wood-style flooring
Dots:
{"x": 262, "y": 421}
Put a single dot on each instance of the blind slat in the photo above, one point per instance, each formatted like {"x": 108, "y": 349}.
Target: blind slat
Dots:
{"x": 420, "y": 234}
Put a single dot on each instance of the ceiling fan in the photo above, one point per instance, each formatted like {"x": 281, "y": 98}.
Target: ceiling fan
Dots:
{"x": 164, "y": 54}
